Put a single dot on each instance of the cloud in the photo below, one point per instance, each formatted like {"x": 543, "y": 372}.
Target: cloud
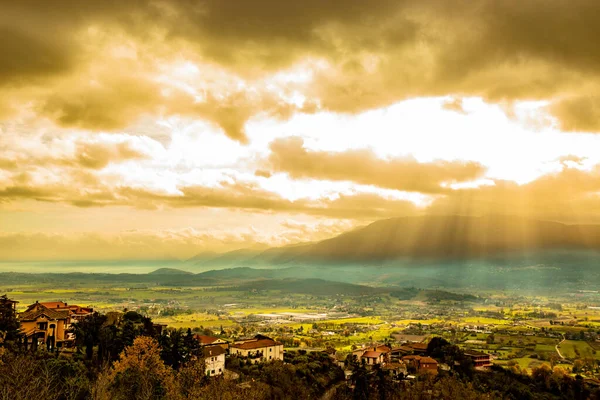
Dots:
{"x": 577, "y": 113}
{"x": 364, "y": 167}
{"x": 570, "y": 195}
{"x": 79, "y": 153}
{"x": 454, "y": 104}
{"x": 104, "y": 66}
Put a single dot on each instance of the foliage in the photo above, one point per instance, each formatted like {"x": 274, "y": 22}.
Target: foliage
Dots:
{"x": 139, "y": 374}
{"x": 9, "y": 325}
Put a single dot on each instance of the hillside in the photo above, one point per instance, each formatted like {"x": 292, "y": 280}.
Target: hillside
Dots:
{"x": 440, "y": 237}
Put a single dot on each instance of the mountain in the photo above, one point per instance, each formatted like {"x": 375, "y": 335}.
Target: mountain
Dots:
{"x": 169, "y": 271}
{"x": 203, "y": 256}
{"x": 439, "y": 237}
{"x": 228, "y": 259}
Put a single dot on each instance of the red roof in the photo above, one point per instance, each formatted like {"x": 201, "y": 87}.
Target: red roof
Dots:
{"x": 54, "y": 304}
{"x": 256, "y": 344}
{"x": 427, "y": 360}
{"x": 372, "y": 354}
{"x": 206, "y": 339}
{"x": 383, "y": 348}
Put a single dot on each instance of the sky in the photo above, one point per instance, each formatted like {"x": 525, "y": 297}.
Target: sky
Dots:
{"x": 161, "y": 129}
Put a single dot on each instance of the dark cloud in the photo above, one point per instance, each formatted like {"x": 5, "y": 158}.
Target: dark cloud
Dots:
{"x": 376, "y": 53}
{"x": 578, "y": 113}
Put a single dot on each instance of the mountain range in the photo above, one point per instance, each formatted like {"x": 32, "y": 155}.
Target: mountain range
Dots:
{"x": 422, "y": 238}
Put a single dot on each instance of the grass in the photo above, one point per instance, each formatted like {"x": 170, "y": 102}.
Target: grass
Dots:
{"x": 485, "y": 320}
{"x": 577, "y": 349}
{"x": 525, "y": 363}
{"x": 357, "y": 320}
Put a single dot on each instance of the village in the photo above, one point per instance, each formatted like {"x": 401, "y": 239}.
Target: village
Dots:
{"x": 402, "y": 349}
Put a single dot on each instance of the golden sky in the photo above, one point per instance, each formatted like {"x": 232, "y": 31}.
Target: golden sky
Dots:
{"x": 144, "y": 129}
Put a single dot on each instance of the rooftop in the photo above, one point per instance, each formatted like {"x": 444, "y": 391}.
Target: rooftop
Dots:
{"x": 33, "y": 315}
{"x": 256, "y": 344}
{"x": 212, "y": 351}
{"x": 372, "y": 354}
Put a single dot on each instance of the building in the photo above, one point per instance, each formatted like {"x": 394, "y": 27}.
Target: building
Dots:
{"x": 371, "y": 358}
{"x": 76, "y": 313}
{"x": 418, "y": 348}
{"x": 398, "y": 352}
{"x": 422, "y": 365}
{"x": 214, "y": 360}
{"x": 50, "y": 323}
{"x": 373, "y": 355}
{"x": 395, "y": 369}
{"x": 211, "y": 340}
{"x": 258, "y": 349}
{"x": 43, "y": 326}
{"x": 480, "y": 360}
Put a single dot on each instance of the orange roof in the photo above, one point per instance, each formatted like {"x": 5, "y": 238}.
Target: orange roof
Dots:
{"x": 418, "y": 346}
{"x": 256, "y": 344}
{"x": 427, "y": 360}
{"x": 372, "y": 354}
{"x": 383, "y": 348}
{"x": 411, "y": 357}
{"x": 204, "y": 339}
{"x": 54, "y": 304}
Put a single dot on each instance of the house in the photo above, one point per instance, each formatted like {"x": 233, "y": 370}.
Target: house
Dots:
{"x": 480, "y": 360}
{"x": 76, "y": 313}
{"x": 211, "y": 340}
{"x": 41, "y": 325}
{"x": 214, "y": 360}
{"x": 385, "y": 349}
{"x": 418, "y": 348}
{"x": 395, "y": 369}
{"x": 260, "y": 348}
{"x": 398, "y": 352}
{"x": 422, "y": 365}
{"x": 373, "y": 355}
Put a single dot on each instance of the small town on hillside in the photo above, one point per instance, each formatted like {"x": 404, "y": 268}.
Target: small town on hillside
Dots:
{"x": 53, "y": 326}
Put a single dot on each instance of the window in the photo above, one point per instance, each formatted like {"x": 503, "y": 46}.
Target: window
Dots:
{"x": 42, "y": 326}
{"x": 270, "y": 349}
{"x": 270, "y": 357}
{"x": 212, "y": 372}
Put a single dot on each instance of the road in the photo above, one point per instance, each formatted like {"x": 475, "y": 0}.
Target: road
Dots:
{"x": 557, "y": 350}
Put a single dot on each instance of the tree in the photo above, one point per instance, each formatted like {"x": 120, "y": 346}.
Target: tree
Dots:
{"x": 87, "y": 332}
{"x": 10, "y": 329}
{"x": 192, "y": 377}
{"x": 139, "y": 374}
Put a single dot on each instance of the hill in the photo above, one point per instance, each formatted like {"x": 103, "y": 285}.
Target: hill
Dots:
{"x": 440, "y": 237}
{"x": 169, "y": 271}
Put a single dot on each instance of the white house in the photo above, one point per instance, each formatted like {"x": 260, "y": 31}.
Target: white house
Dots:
{"x": 214, "y": 360}
{"x": 258, "y": 349}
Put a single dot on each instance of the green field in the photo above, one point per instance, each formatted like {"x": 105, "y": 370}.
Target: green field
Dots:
{"x": 577, "y": 349}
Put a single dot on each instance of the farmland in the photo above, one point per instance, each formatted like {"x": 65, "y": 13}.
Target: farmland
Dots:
{"x": 517, "y": 331}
